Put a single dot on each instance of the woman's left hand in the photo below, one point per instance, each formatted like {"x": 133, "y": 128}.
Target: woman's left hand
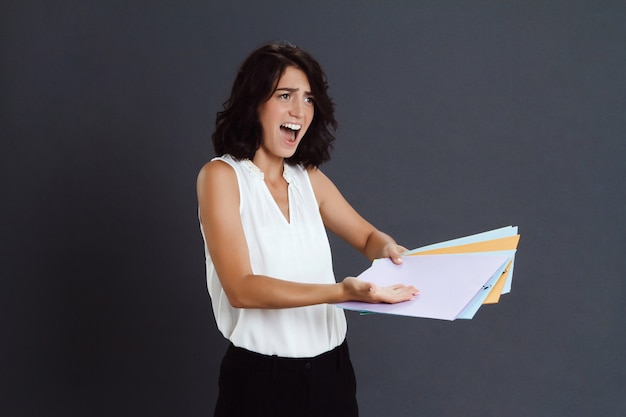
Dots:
{"x": 394, "y": 252}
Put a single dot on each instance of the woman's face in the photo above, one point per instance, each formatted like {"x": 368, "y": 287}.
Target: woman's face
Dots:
{"x": 287, "y": 114}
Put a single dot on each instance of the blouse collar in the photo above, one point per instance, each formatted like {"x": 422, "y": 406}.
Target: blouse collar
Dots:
{"x": 256, "y": 171}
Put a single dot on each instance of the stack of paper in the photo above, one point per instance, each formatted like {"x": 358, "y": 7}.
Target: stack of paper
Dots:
{"x": 454, "y": 277}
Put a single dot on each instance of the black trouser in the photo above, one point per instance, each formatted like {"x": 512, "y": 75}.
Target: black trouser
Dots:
{"x": 252, "y": 384}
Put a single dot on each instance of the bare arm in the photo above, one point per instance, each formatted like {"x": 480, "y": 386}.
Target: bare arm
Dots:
{"x": 345, "y": 222}
{"x": 218, "y": 198}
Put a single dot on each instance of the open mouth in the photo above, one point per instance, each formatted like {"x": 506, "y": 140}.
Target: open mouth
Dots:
{"x": 290, "y": 131}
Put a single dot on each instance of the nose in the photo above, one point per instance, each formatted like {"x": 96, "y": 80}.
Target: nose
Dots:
{"x": 296, "y": 108}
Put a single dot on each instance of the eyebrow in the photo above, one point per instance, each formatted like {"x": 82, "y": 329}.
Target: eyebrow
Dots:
{"x": 291, "y": 90}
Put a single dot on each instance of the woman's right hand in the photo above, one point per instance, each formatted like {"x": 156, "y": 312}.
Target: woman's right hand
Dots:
{"x": 357, "y": 290}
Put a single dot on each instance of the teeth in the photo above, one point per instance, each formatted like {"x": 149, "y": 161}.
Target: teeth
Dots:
{"x": 291, "y": 126}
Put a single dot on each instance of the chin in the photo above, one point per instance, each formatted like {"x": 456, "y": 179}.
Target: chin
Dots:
{"x": 288, "y": 153}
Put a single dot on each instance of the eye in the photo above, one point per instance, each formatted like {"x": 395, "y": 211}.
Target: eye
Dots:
{"x": 309, "y": 100}
{"x": 284, "y": 96}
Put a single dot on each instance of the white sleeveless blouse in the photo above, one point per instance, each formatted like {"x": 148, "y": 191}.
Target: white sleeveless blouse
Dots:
{"x": 295, "y": 250}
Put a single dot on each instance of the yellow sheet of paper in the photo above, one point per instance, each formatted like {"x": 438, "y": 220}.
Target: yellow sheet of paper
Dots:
{"x": 496, "y": 291}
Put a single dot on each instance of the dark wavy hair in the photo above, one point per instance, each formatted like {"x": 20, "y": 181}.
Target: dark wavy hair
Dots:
{"x": 238, "y": 131}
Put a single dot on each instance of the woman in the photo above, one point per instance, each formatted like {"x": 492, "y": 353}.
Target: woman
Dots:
{"x": 264, "y": 209}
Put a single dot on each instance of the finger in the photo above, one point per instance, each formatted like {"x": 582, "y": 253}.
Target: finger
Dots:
{"x": 404, "y": 293}
{"x": 399, "y": 250}
{"x": 396, "y": 254}
{"x": 393, "y": 251}
{"x": 396, "y": 287}
{"x": 402, "y": 286}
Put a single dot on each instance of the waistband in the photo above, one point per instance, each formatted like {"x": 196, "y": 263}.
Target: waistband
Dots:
{"x": 246, "y": 357}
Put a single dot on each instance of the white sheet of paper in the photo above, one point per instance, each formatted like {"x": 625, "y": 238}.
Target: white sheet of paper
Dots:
{"x": 478, "y": 237}
{"x": 447, "y": 283}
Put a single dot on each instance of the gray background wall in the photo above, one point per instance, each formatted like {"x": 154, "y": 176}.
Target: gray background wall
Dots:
{"x": 455, "y": 117}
